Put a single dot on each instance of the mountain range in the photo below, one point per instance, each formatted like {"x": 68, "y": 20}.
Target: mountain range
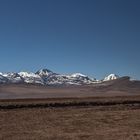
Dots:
{"x": 48, "y": 77}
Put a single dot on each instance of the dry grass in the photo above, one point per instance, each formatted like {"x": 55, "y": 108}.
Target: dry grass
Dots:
{"x": 71, "y": 123}
{"x": 32, "y": 118}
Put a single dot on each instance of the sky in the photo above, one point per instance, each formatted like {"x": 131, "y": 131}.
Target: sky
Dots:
{"x": 93, "y": 37}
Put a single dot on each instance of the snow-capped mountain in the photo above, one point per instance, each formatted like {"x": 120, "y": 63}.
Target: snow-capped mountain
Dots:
{"x": 74, "y": 79}
{"x": 78, "y": 75}
{"x": 82, "y": 79}
{"x": 13, "y": 77}
{"x": 30, "y": 77}
{"x": 44, "y": 72}
{"x": 47, "y": 77}
{"x": 111, "y": 77}
{"x": 3, "y": 79}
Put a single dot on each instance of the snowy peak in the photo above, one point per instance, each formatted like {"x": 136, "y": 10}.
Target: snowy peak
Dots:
{"x": 30, "y": 77}
{"x": 44, "y": 72}
{"x": 3, "y": 79}
{"x": 28, "y": 74}
{"x": 47, "y": 77}
{"x": 78, "y": 75}
{"x": 74, "y": 79}
{"x": 13, "y": 77}
{"x": 111, "y": 77}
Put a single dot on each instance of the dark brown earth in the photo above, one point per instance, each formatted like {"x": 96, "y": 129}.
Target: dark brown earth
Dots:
{"x": 107, "y": 111}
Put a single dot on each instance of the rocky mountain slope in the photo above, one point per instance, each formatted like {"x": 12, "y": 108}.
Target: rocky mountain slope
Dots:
{"x": 48, "y": 77}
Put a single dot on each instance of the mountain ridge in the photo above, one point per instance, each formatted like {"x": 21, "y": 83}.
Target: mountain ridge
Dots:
{"x": 48, "y": 77}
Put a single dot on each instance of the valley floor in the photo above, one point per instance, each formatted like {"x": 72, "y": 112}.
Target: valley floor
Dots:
{"x": 100, "y": 122}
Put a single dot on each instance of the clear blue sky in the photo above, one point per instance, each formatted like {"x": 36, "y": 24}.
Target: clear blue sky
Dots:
{"x": 94, "y": 37}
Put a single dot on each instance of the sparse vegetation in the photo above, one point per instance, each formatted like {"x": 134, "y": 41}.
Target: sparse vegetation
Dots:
{"x": 74, "y": 119}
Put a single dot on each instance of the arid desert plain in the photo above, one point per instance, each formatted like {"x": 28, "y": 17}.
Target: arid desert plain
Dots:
{"x": 109, "y": 111}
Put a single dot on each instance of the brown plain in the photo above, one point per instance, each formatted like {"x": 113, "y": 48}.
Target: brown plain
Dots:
{"x": 120, "y": 121}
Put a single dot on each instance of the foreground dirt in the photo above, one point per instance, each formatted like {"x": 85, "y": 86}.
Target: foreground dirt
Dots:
{"x": 114, "y": 122}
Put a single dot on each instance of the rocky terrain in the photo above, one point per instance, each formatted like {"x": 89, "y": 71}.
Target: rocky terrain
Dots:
{"x": 47, "y": 77}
